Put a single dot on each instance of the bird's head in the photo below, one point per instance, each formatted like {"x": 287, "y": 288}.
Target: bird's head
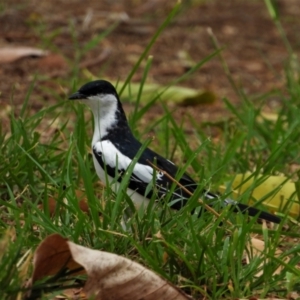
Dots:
{"x": 102, "y": 98}
{"x": 98, "y": 95}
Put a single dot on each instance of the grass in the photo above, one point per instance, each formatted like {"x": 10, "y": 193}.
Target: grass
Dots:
{"x": 196, "y": 254}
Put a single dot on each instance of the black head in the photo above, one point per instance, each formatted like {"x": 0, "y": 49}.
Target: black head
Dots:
{"x": 94, "y": 88}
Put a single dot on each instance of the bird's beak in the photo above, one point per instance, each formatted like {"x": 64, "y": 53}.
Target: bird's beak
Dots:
{"x": 77, "y": 96}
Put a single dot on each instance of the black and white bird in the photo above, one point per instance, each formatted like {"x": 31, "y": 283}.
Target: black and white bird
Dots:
{"x": 114, "y": 147}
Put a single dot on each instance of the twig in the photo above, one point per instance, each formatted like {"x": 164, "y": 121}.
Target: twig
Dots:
{"x": 207, "y": 207}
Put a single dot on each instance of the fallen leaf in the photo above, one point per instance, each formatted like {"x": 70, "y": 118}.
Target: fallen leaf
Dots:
{"x": 207, "y": 97}
{"x": 11, "y": 54}
{"x": 176, "y": 94}
{"x": 114, "y": 277}
{"x": 273, "y": 117}
{"x": 51, "y": 256}
{"x": 278, "y": 190}
{"x": 293, "y": 296}
{"x": 109, "y": 276}
{"x": 256, "y": 247}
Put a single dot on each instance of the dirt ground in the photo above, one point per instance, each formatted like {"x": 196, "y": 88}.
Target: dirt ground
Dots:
{"x": 253, "y": 48}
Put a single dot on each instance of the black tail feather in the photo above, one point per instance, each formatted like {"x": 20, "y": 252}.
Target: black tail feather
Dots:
{"x": 253, "y": 212}
{"x": 245, "y": 209}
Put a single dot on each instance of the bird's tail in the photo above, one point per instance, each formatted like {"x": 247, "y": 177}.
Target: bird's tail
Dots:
{"x": 245, "y": 209}
{"x": 253, "y": 212}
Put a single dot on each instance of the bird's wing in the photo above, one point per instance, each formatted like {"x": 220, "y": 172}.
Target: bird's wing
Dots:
{"x": 116, "y": 162}
{"x": 179, "y": 196}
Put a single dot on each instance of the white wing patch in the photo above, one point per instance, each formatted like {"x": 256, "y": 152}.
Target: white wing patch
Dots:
{"x": 114, "y": 158}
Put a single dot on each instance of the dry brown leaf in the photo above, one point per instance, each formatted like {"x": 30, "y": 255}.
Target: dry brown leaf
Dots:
{"x": 109, "y": 276}
{"x": 114, "y": 277}
{"x": 256, "y": 247}
{"x": 11, "y": 54}
{"x": 51, "y": 256}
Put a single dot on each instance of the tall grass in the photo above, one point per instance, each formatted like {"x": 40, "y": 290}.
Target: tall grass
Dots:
{"x": 204, "y": 256}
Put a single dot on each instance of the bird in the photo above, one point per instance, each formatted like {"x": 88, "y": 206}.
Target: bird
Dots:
{"x": 114, "y": 147}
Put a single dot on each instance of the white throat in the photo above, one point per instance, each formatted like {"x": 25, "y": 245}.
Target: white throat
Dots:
{"x": 104, "y": 108}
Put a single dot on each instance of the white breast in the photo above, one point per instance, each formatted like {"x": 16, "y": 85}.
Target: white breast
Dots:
{"x": 115, "y": 159}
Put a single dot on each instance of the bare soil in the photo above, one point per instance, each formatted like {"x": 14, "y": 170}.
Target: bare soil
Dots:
{"x": 253, "y": 49}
